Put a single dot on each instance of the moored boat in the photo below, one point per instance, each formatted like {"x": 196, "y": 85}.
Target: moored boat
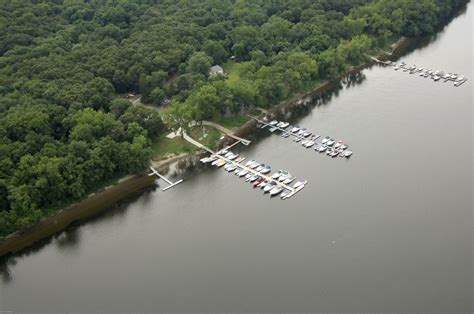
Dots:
{"x": 325, "y": 140}
{"x": 270, "y": 185}
{"x": 347, "y": 153}
{"x": 250, "y": 162}
{"x": 257, "y": 182}
{"x": 276, "y": 190}
{"x": 253, "y": 178}
{"x": 284, "y": 175}
{"x": 322, "y": 148}
{"x": 266, "y": 170}
{"x": 285, "y": 193}
{"x": 299, "y": 183}
{"x": 277, "y": 174}
{"x": 232, "y": 168}
{"x": 330, "y": 142}
{"x": 288, "y": 180}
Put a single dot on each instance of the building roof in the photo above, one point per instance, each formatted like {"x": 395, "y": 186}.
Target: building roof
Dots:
{"x": 216, "y": 69}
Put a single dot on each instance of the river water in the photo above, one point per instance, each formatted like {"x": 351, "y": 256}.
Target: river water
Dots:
{"x": 388, "y": 230}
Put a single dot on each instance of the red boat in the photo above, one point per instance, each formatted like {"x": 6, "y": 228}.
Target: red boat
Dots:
{"x": 257, "y": 182}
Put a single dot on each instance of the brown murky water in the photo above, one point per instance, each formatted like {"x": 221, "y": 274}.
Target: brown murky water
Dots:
{"x": 388, "y": 230}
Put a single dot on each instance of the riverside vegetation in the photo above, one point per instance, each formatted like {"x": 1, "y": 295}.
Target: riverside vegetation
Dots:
{"x": 64, "y": 133}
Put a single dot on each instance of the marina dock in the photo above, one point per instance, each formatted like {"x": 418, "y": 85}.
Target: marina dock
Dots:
{"x": 242, "y": 165}
{"x": 307, "y": 138}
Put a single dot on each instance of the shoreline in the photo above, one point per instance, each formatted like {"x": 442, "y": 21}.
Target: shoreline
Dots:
{"x": 132, "y": 185}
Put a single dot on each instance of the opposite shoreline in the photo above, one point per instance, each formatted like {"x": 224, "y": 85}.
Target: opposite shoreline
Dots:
{"x": 133, "y": 185}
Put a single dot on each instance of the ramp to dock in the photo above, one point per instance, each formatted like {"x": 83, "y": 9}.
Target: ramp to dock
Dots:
{"x": 227, "y": 132}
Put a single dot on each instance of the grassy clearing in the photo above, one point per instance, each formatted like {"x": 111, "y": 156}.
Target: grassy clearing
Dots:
{"x": 234, "y": 71}
{"x": 232, "y": 121}
{"x": 177, "y": 145}
{"x": 206, "y": 135}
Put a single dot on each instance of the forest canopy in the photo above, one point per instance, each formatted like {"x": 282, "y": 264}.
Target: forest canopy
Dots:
{"x": 64, "y": 131}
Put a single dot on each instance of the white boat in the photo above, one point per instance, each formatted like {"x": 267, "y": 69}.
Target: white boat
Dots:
{"x": 276, "y": 190}
{"x": 347, "y": 153}
{"x": 330, "y": 142}
{"x": 288, "y": 180}
{"x": 436, "y": 78}
{"x": 284, "y": 125}
{"x": 270, "y": 185}
{"x": 229, "y": 164}
{"x": 232, "y": 157}
{"x": 274, "y": 122}
{"x": 344, "y": 146}
{"x": 243, "y": 173}
{"x": 325, "y": 140}
{"x": 309, "y": 144}
{"x": 250, "y": 162}
{"x": 262, "y": 184}
{"x": 306, "y": 134}
{"x": 284, "y": 175}
{"x": 299, "y": 183}
{"x": 215, "y": 162}
{"x": 338, "y": 144}
{"x": 302, "y": 131}
{"x": 285, "y": 134}
{"x": 266, "y": 170}
{"x": 211, "y": 159}
{"x": 204, "y": 160}
{"x": 279, "y": 124}
{"x": 260, "y": 168}
{"x": 248, "y": 175}
{"x": 285, "y": 193}
{"x": 273, "y": 129}
{"x": 240, "y": 159}
{"x": 254, "y": 165}
{"x": 223, "y": 151}
{"x": 276, "y": 175}
{"x": 322, "y": 148}
{"x": 254, "y": 178}
{"x": 237, "y": 170}
{"x": 232, "y": 168}
{"x": 303, "y": 142}
{"x": 334, "y": 153}
{"x": 295, "y": 129}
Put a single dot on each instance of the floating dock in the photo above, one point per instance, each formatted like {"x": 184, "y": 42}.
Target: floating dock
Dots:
{"x": 239, "y": 164}
{"x": 170, "y": 184}
{"x": 313, "y": 138}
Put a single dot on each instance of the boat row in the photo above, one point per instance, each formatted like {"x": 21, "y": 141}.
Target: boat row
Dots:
{"x": 307, "y": 139}
{"x": 257, "y": 174}
{"x": 435, "y": 75}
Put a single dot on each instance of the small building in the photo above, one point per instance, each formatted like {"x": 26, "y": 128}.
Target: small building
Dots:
{"x": 216, "y": 69}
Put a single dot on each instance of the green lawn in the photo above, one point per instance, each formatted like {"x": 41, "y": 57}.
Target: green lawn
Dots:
{"x": 206, "y": 135}
{"x": 177, "y": 145}
{"x": 232, "y": 121}
{"x": 233, "y": 70}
